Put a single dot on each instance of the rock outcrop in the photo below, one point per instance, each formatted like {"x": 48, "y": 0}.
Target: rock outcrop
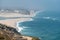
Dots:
{"x": 9, "y": 33}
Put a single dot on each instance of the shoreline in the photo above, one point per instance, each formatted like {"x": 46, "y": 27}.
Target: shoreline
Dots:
{"x": 15, "y": 22}
{"x": 9, "y": 29}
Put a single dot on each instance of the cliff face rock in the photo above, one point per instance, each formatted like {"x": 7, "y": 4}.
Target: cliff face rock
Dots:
{"x": 8, "y": 33}
{"x": 7, "y": 28}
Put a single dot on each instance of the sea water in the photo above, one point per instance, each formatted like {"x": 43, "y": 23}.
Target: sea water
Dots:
{"x": 45, "y": 25}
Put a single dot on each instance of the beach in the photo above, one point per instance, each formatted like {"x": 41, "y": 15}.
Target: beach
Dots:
{"x": 14, "y": 22}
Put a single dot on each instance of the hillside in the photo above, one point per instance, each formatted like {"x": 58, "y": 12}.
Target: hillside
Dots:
{"x": 9, "y": 33}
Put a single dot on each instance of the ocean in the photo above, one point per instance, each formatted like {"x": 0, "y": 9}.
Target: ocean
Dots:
{"x": 45, "y": 25}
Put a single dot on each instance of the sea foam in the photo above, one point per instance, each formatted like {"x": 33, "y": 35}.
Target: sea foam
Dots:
{"x": 19, "y": 28}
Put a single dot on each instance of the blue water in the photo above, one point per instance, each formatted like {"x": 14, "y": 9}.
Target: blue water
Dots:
{"x": 46, "y": 25}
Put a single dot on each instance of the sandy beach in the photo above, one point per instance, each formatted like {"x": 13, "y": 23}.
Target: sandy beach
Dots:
{"x": 14, "y": 22}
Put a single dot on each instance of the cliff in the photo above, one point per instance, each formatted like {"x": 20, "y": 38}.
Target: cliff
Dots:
{"x": 9, "y": 33}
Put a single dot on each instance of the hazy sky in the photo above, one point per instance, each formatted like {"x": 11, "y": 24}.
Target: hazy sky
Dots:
{"x": 31, "y": 4}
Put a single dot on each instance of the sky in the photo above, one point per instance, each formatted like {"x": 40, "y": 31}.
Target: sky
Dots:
{"x": 31, "y": 4}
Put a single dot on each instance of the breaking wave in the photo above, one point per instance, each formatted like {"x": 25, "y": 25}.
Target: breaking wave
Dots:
{"x": 19, "y": 28}
{"x": 49, "y": 18}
